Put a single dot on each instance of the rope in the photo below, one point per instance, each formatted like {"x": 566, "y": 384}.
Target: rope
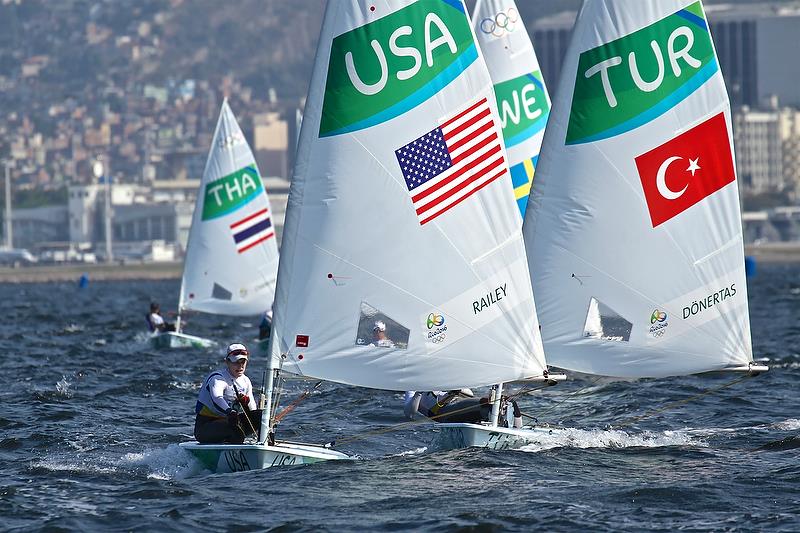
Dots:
{"x": 289, "y": 408}
{"x": 630, "y": 420}
{"x": 396, "y": 427}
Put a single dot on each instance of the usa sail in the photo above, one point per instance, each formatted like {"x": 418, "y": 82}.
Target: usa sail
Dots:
{"x": 520, "y": 91}
{"x": 634, "y": 233}
{"x": 403, "y": 265}
{"x": 231, "y": 260}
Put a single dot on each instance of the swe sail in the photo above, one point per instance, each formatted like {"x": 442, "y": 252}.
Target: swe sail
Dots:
{"x": 520, "y": 92}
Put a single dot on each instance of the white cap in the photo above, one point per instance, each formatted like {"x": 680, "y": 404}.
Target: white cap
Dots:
{"x": 237, "y": 351}
{"x": 379, "y": 326}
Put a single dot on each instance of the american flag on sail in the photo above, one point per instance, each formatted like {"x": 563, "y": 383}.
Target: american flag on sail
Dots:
{"x": 252, "y": 230}
{"x": 450, "y": 163}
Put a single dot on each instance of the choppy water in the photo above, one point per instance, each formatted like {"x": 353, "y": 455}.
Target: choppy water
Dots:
{"x": 92, "y": 416}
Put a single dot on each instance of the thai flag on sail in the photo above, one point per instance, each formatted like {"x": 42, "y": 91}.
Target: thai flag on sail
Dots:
{"x": 252, "y": 230}
{"x": 450, "y": 163}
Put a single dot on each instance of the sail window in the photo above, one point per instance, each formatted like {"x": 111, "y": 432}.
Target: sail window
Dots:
{"x": 376, "y": 329}
{"x": 605, "y": 324}
{"x": 221, "y": 293}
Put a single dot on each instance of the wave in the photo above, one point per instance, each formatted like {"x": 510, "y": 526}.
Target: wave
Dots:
{"x": 172, "y": 462}
{"x": 609, "y": 438}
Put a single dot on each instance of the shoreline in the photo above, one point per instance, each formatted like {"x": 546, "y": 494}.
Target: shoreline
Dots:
{"x": 95, "y": 272}
{"x": 771, "y": 253}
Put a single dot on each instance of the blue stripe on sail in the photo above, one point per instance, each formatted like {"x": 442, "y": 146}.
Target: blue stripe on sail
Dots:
{"x": 691, "y": 85}
{"x": 252, "y": 230}
{"x": 536, "y": 81}
{"x": 694, "y": 19}
{"x": 414, "y": 99}
{"x": 528, "y": 132}
{"x": 456, "y": 4}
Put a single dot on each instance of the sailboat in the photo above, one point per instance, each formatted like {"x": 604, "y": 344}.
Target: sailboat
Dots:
{"x": 231, "y": 259}
{"x": 401, "y": 215}
{"x": 633, "y": 228}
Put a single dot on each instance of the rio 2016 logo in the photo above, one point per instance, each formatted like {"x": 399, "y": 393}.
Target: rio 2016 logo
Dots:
{"x": 435, "y": 320}
{"x": 501, "y": 23}
{"x": 658, "y": 316}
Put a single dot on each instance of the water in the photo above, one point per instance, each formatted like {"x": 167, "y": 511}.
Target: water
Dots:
{"x": 93, "y": 415}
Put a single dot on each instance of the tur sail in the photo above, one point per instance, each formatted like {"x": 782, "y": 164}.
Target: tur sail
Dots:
{"x": 520, "y": 92}
{"x": 403, "y": 265}
{"x": 634, "y": 233}
{"x": 231, "y": 260}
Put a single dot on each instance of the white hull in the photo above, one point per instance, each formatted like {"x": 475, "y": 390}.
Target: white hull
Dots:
{"x": 171, "y": 339}
{"x": 224, "y": 458}
{"x": 452, "y": 436}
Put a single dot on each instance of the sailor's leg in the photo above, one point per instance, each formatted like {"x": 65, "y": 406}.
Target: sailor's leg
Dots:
{"x": 471, "y": 411}
{"x": 208, "y": 430}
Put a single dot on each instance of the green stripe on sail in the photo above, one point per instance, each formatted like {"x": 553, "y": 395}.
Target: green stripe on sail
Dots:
{"x": 627, "y": 82}
{"x": 522, "y": 106}
{"x": 231, "y": 192}
{"x": 382, "y": 69}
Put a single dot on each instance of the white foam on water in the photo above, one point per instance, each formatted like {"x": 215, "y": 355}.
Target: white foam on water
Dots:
{"x": 73, "y": 328}
{"x": 613, "y": 438}
{"x": 183, "y": 385}
{"x": 415, "y": 451}
{"x": 62, "y": 388}
{"x": 69, "y": 464}
{"x": 791, "y": 424}
{"x": 172, "y": 462}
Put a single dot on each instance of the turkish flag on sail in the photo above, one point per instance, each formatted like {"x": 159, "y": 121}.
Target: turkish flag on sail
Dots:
{"x": 684, "y": 170}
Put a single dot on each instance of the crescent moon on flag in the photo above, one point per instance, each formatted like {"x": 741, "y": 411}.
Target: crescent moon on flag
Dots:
{"x": 661, "y": 181}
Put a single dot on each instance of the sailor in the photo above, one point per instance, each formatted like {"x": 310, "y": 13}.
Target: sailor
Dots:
{"x": 265, "y": 327}
{"x": 156, "y": 322}
{"x": 439, "y": 406}
{"x": 379, "y": 337}
{"x": 223, "y": 391}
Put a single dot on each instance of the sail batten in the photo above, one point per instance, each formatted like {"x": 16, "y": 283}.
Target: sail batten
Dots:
{"x": 634, "y": 230}
{"x": 403, "y": 265}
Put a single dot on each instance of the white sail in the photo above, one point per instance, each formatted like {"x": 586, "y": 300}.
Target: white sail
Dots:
{"x": 231, "y": 260}
{"x": 522, "y": 99}
{"x": 401, "y": 218}
{"x": 635, "y": 204}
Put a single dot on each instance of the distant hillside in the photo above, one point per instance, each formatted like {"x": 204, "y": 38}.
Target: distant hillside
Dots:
{"x": 86, "y": 44}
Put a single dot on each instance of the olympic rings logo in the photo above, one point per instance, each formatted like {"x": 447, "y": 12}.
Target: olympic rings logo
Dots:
{"x": 658, "y": 333}
{"x": 502, "y": 23}
{"x": 439, "y": 338}
{"x": 231, "y": 140}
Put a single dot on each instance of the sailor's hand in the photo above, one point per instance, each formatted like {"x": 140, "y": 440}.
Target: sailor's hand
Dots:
{"x": 233, "y": 418}
{"x": 244, "y": 400}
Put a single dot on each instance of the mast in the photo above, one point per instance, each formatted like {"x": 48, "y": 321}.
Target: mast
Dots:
{"x": 9, "y": 223}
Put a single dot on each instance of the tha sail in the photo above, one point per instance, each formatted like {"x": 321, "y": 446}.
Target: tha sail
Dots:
{"x": 231, "y": 260}
{"x": 522, "y": 98}
{"x": 403, "y": 263}
{"x": 634, "y": 233}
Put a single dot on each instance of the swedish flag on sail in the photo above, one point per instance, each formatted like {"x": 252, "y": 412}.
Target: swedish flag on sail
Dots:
{"x": 522, "y": 178}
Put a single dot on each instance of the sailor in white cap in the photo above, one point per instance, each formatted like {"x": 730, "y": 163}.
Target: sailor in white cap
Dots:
{"x": 223, "y": 391}
{"x": 379, "y": 337}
